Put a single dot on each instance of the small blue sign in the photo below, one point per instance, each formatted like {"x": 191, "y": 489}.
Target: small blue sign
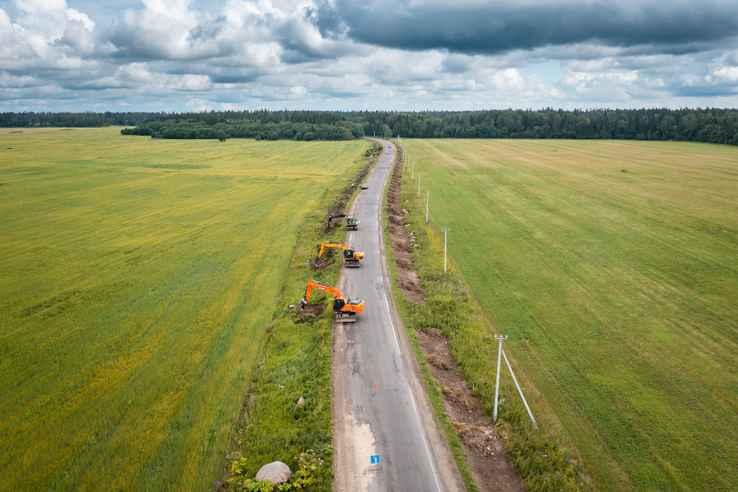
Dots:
{"x": 375, "y": 459}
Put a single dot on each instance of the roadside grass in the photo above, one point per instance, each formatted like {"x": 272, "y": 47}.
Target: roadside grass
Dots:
{"x": 611, "y": 265}
{"x": 295, "y": 363}
{"x": 138, "y": 277}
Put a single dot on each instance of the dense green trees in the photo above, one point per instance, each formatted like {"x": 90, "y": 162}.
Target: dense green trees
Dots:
{"x": 87, "y": 119}
{"x": 703, "y": 125}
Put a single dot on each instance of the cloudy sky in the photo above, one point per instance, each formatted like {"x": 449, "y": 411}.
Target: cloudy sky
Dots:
{"x": 187, "y": 55}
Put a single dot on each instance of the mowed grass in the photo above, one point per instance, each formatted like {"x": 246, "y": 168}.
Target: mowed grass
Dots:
{"x": 613, "y": 266}
{"x": 138, "y": 279}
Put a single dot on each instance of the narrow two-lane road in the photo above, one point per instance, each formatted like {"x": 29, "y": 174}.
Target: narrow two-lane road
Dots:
{"x": 379, "y": 405}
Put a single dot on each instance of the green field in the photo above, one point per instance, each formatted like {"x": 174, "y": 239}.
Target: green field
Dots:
{"x": 613, "y": 266}
{"x": 138, "y": 277}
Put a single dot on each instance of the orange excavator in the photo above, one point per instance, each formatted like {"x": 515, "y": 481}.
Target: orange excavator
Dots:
{"x": 351, "y": 257}
{"x": 344, "y": 309}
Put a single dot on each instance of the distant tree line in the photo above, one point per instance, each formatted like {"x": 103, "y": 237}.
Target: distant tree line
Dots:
{"x": 87, "y": 119}
{"x": 700, "y": 125}
{"x": 266, "y": 129}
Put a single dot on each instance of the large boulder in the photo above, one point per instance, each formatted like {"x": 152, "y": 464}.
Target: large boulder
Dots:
{"x": 276, "y": 472}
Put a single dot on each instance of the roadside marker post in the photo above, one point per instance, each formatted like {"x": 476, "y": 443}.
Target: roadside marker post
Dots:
{"x": 445, "y": 236}
{"x": 418, "y": 185}
{"x": 427, "y": 202}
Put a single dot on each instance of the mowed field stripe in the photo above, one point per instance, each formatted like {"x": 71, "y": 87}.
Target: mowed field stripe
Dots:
{"x": 612, "y": 266}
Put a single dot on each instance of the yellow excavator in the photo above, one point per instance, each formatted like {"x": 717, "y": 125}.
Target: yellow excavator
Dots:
{"x": 344, "y": 309}
{"x": 351, "y": 257}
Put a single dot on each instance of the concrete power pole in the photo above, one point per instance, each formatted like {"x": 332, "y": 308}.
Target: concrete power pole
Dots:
{"x": 497, "y": 384}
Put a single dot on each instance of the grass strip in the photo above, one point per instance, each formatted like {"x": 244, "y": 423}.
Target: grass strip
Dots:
{"x": 295, "y": 363}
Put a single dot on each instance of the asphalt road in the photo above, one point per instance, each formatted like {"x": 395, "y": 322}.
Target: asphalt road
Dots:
{"x": 379, "y": 403}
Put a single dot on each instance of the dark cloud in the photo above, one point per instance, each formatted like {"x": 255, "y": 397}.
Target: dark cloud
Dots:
{"x": 332, "y": 54}
{"x": 500, "y": 27}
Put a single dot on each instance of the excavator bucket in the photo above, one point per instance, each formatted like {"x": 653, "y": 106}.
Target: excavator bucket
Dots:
{"x": 301, "y": 305}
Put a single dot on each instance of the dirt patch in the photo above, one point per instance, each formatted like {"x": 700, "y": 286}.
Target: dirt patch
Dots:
{"x": 325, "y": 261}
{"x": 407, "y": 278}
{"x": 310, "y": 313}
{"x": 483, "y": 447}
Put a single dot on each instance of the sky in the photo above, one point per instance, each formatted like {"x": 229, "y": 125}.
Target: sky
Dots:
{"x": 410, "y": 55}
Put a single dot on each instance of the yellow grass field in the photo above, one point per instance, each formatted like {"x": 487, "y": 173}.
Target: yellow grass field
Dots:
{"x": 137, "y": 280}
{"x": 613, "y": 266}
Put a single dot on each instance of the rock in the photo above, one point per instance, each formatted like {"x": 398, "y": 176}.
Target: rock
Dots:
{"x": 276, "y": 472}
{"x": 300, "y": 402}
{"x": 405, "y": 211}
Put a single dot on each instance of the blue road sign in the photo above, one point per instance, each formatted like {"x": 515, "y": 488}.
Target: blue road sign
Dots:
{"x": 375, "y": 459}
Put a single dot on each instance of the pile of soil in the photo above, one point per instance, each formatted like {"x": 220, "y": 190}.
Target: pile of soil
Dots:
{"x": 407, "y": 278}
{"x": 325, "y": 261}
{"x": 483, "y": 447}
{"x": 310, "y": 312}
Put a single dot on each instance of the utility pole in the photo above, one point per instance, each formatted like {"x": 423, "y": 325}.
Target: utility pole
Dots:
{"x": 530, "y": 414}
{"x": 427, "y": 202}
{"x": 445, "y": 235}
{"x": 418, "y": 185}
{"x": 497, "y": 384}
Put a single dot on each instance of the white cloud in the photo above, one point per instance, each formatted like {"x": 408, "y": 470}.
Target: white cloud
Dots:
{"x": 278, "y": 53}
{"x": 190, "y": 82}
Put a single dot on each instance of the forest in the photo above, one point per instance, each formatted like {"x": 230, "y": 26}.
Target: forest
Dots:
{"x": 701, "y": 125}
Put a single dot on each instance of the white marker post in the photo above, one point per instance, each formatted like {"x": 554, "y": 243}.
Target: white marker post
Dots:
{"x": 412, "y": 173}
{"x": 418, "y": 185}
{"x": 497, "y": 384}
{"x": 427, "y": 202}
{"x": 445, "y": 234}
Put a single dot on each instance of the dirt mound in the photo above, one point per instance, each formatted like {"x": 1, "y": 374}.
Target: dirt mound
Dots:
{"x": 482, "y": 438}
{"x": 483, "y": 447}
{"x": 316, "y": 265}
{"x": 325, "y": 261}
{"x": 407, "y": 278}
{"x": 310, "y": 313}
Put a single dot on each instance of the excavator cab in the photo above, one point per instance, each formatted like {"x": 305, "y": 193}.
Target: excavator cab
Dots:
{"x": 352, "y": 224}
